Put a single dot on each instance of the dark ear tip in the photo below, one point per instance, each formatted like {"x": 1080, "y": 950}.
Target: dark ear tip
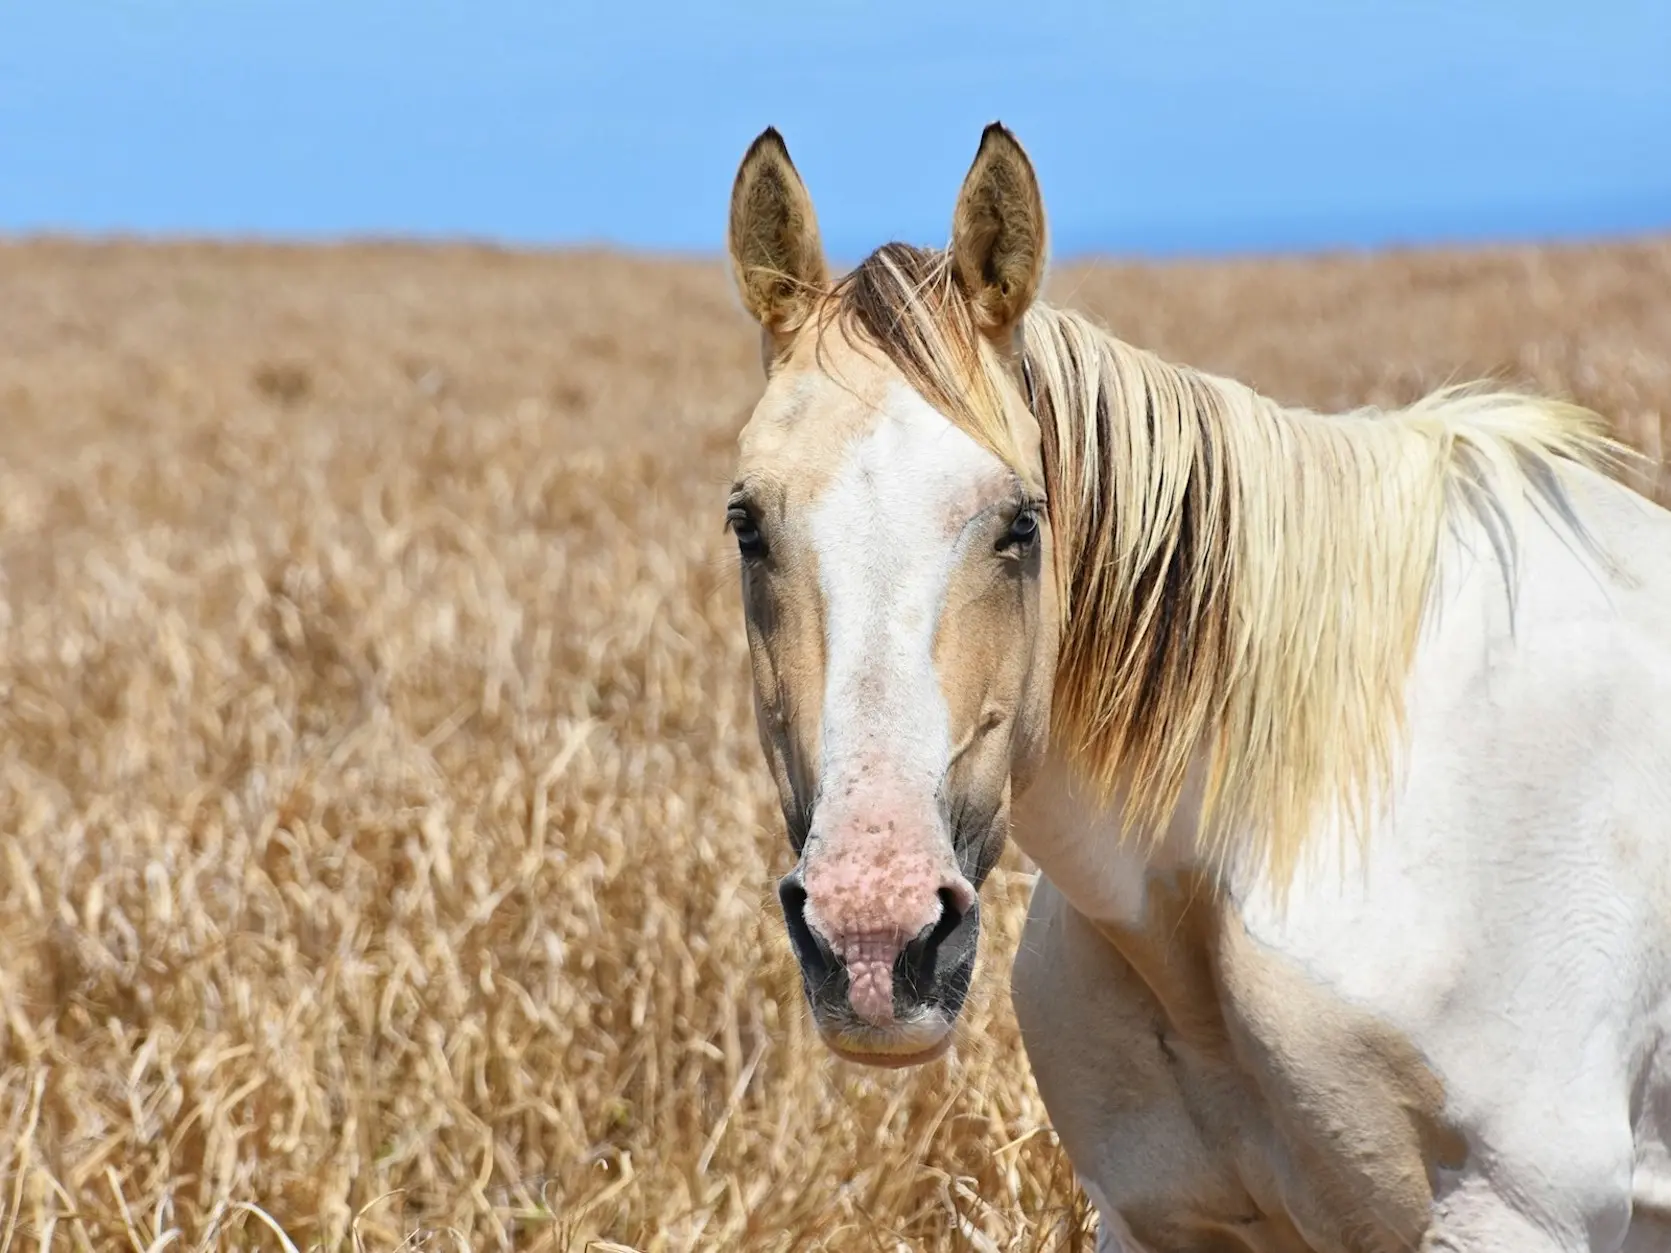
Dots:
{"x": 768, "y": 138}
{"x": 997, "y": 132}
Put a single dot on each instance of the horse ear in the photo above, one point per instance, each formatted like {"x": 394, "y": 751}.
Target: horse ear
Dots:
{"x": 777, "y": 257}
{"x": 998, "y": 233}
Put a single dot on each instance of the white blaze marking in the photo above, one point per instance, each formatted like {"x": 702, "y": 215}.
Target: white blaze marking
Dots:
{"x": 886, "y": 534}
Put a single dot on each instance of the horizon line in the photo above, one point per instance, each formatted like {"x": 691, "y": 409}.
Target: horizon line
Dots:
{"x": 1091, "y": 254}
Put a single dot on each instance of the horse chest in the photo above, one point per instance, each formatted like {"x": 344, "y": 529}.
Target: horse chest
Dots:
{"x": 1249, "y": 1115}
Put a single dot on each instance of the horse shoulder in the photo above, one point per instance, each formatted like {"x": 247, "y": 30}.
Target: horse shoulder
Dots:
{"x": 1484, "y": 981}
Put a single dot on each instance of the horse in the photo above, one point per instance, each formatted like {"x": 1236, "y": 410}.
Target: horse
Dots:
{"x": 1341, "y": 743}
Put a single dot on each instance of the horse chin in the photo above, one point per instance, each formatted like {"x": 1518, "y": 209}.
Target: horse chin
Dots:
{"x": 891, "y": 1050}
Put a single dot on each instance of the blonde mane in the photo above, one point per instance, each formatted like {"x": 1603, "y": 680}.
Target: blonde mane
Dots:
{"x": 1239, "y": 578}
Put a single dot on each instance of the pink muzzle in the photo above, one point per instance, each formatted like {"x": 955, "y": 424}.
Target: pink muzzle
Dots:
{"x": 871, "y": 890}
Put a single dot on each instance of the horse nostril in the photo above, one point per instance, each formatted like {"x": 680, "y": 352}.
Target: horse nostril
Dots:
{"x": 951, "y": 916}
{"x": 817, "y": 961}
{"x": 919, "y": 960}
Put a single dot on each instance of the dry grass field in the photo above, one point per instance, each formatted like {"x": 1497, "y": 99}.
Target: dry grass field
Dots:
{"x": 386, "y": 858}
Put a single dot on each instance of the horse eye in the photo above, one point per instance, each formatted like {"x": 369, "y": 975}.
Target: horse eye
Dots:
{"x": 1023, "y": 531}
{"x": 749, "y": 540}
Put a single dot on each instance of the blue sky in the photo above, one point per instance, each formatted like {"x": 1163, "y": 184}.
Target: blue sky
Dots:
{"x": 1158, "y": 126}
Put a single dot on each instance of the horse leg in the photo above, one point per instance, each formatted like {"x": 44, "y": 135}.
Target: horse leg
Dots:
{"x": 1591, "y": 1213}
{"x": 1106, "y": 1081}
{"x": 1485, "y": 1223}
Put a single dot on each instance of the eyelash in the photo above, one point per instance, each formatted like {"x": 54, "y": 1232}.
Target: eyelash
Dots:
{"x": 747, "y": 532}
